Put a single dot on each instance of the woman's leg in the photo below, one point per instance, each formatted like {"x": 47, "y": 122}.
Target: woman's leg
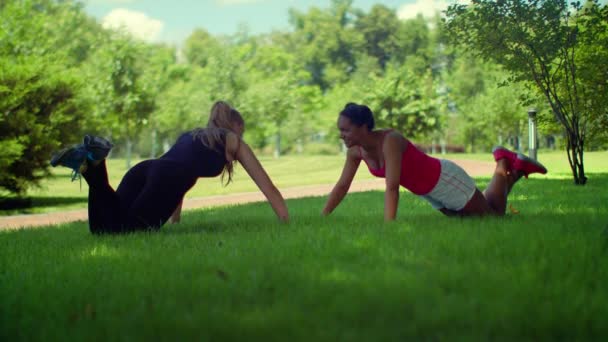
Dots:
{"x": 105, "y": 212}
{"x": 493, "y": 201}
{"x": 150, "y": 198}
{"x": 500, "y": 186}
{"x": 88, "y": 159}
{"x": 510, "y": 167}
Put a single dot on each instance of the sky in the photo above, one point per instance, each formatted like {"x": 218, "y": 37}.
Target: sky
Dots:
{"x": 173, "y": 21}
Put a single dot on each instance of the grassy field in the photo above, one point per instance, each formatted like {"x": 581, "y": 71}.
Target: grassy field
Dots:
{"x": 235, "y": 273}
{"x": 58, "y": 193}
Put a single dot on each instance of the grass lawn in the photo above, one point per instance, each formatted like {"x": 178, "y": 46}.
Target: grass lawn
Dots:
{"x": 58, "y": 193}
{"x": 235, "y": 273}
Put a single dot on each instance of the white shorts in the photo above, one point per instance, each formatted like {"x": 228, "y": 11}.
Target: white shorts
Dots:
{"x": 454, "y": 188}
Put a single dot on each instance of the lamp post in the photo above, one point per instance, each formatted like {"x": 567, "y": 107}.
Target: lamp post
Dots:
{"x": 532, "y": 133}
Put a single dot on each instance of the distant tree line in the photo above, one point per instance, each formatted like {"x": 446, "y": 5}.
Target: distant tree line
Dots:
{"x": 62, "y": 75}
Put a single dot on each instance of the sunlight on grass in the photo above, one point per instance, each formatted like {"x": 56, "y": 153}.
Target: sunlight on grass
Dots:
{"x": 58, "y": 193}
{"x": 101, "y": 251}
{"x": 233, "y": 272}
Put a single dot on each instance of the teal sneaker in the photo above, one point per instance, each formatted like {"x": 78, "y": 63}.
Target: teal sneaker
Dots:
{"x": 72, "y": 157}
{"x": 97, "y": 147}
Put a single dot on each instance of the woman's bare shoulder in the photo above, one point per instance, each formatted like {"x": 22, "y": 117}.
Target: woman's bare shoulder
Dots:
{"x": 394, "y": 137}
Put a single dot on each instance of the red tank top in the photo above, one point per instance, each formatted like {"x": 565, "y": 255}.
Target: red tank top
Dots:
{"x": 419, "y": 171}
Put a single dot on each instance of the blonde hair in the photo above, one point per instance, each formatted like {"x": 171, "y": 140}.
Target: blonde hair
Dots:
{"x": 222, "y": 119}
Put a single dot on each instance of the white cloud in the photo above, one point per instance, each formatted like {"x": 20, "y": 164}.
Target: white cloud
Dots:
{"x": 236, "y": 2}
{"x": 428, "y": 8}
{"x": 137, "y": 23}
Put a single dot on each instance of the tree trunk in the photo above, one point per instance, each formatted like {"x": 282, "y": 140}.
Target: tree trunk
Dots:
{"x": 277, "y": 148}
{"x": 575, "y": 152}
{"x": 128, "y": 156}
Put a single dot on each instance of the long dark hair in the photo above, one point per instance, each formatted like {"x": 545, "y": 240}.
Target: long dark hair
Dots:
{"x": 222, "y": 120}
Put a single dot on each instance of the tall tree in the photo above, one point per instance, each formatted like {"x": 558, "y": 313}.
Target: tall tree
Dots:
{"x": 405, "y": 101}
{"x": 414, "y": 39}
{"x": 380, "y": 29}
{"x": 327, "y": 42}
{"x": 200, "y": 46}
{"x": 38, "y": 112}
{"x": 126, "y": 99}
{"x": 539, "y": 41}
{"x": 41, "y": 106}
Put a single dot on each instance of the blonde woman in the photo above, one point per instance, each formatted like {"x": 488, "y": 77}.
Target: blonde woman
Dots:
{"x": 152, "y": 191}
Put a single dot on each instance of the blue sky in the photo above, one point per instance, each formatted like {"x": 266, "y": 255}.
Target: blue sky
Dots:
{"x": 173, "y": 21}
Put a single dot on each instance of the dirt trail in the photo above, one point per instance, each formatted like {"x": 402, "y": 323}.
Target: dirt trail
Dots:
{"x": 473, "y": 168}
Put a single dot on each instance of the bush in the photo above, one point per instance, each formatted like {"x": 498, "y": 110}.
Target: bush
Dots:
{"x": 38, "y": 110}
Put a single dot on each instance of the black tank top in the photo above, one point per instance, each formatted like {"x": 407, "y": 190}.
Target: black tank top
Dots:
{"x": 192, "y": 154}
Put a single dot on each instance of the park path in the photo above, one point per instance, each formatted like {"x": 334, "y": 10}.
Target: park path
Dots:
{"x": 473, "y": 168}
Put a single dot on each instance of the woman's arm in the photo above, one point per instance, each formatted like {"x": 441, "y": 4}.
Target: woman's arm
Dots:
{"x": 392, "y": 151}
{"x": 341, "y": 188}
{"x": 176, "y": 216}
{"x": 250, "y": 163}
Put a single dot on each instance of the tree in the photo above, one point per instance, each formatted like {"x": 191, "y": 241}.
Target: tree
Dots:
{"x": 271, "y": 96}
{"x": 41, "y": 102}
{"x": 38, "y": 112}
{"x": 540, "y": 42}
{"x": 327, "y": 42}
{"x": 125, "y": 98}
{"x": 405, "y": 101}
{"x": 595, "y": 79}
{"x": 199, "y": 46}
{"x": 379, "y": 29}
{"x": 414, "y": 39}
{"x": 183, "y": 105}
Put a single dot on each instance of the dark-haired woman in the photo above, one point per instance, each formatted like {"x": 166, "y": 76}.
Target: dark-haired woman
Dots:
{"x": 388, "y": 154}
{"x": 152, "y": 191}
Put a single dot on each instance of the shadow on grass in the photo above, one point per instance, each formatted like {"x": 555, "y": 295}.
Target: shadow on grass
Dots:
{"x": 538, "y": 200}
{"x": 32, "y": 205}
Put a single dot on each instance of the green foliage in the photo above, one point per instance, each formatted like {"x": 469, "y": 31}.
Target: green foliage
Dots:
{"x": 42, "y": 101}
{"x": 404, "y": 101}
{"x": 326, "y": 42}
{"x": 539, "y": 41}
{"x": 199, "y": 47}
{"x": 26, "y": 30}
{"x": 490, "y": 112}
{"x": 380, "y": 29}
{"x": 38, "y": 112}
{"x": 593, "y": 73}
{"x": 126, "y": 100}
{"x": 413, "y": 39}
{"x": 291, "y": 85}
{"x": 182, "y": 105}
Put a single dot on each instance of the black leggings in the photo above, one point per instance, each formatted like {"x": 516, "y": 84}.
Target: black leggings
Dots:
{"x": 145, "y": 199}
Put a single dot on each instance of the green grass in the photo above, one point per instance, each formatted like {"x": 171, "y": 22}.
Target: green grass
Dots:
{"x": 58, "y": 193}
{"x": 234, "y": 273}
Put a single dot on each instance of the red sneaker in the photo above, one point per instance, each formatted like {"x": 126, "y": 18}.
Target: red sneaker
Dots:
{"x": 528, "y": 165}
{"x": 500, "y": 152}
